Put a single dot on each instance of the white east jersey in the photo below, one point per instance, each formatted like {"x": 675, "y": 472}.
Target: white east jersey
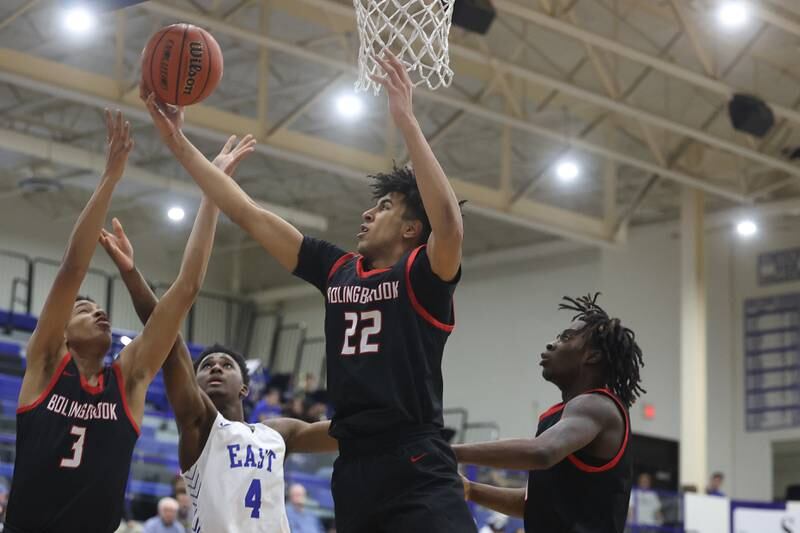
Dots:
{"x": 237, "y": 484}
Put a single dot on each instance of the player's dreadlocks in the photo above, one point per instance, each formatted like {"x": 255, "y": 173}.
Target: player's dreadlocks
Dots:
{"x": 403, "y": 181}
{"x": 621, "y": 355}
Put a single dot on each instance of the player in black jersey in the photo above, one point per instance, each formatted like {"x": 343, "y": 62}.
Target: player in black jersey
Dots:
{"x": 388, "y": 315}
{"x": 78, "y": 421}
{"x": 580, "y": 468}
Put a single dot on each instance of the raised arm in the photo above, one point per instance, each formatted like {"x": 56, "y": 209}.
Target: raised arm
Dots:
{"x": 142, "y": 358}
{"x": 510, "y": 502}
{"x": 184, "y": 395}
{"x": 438, "y": 196}
{"x": 582, "y": 421}
{"x": 46, "y": 345}
{"x": 304, "y": 437}
{"x": 279, "y": 238}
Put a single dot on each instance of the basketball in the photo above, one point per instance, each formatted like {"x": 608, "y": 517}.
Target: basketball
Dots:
{"x": 182, "y": 64}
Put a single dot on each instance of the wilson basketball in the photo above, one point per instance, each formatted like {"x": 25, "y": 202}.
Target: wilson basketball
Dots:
{"x": 182, "y": 64}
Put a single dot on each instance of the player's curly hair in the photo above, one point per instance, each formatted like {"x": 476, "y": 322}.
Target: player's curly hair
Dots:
{"x": 402, "y": 180}
{"x": 218, "y": 348}
{"x": 617, "y": 344}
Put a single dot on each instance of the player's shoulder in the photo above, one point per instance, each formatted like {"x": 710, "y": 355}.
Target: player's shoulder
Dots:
{"x": 598, "y": 406}
{"x": 282, "y": 426}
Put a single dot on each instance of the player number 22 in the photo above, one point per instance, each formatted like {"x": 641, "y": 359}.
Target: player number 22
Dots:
{"x": 77, "y": 448}
{"x": 371, "y": 321}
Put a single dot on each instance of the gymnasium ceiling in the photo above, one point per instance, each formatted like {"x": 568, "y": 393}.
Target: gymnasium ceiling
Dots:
{"x": 633, "y": 90}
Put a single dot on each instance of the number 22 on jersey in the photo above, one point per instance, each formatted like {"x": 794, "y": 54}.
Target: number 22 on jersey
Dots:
{"x": 371, "y": 324}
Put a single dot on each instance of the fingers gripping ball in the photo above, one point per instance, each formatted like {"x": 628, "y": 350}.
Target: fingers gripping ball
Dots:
{"x": 182, "y": 64}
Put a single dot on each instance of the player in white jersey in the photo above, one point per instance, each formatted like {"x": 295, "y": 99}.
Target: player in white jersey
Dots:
{"x": 233, "y": 470}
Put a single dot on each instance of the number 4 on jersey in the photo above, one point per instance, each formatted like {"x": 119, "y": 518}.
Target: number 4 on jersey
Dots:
{"x": 373, "y": 318}
{"x": 252, "y": 500}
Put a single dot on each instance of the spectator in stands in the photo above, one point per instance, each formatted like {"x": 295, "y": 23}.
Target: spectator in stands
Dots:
{"x": 296, "y": 409}
{"x": 268, "y": 407}
{"x": 645, "y": 505}
{"x": 300, "y": 520}
{"x": 184, "y": 509}
{"x": 167, "y": 519}
{"x": 715, "y": 484}
{"x": 310, "y": 383}
{"x": 496, "y": 522}
{"x": 129, "y": 526}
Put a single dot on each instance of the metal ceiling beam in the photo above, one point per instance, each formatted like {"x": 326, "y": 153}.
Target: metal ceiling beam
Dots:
{"x": 64, "y": 154}
{"x": 98, "y": 91}
{"x": 486, "y": 113}
{"x": 520, "y": 72}
{"x": 622, "y": 50}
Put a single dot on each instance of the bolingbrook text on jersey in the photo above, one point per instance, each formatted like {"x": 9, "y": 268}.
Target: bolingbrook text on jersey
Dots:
{"x": 356, "y": 294}
{"x": 83, "y": 411}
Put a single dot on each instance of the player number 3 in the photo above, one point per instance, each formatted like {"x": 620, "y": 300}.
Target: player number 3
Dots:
{"x": 371, "y": 325}
{"x": 77, "y": 448}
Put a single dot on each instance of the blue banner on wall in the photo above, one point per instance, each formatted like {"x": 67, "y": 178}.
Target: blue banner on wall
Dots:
{"x": 779, "y": 266}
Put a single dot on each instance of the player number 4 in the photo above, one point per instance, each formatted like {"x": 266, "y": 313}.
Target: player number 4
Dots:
{"x": 371, "y": 325}
{"x": 77, "y": 448}
{"x": 252, "y": 500}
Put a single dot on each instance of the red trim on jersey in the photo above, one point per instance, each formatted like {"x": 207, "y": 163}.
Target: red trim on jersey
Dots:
{"x": 93, "y": 389}
{"x": 367, "y": 273}
{"x": 339, "y": 262}
{"x": 580, "y": 465}
{"x": 53, "y": 380}
{"x": 415, "y": 303}
{"x": 553, "y": 410}
{"x": 121, "y": 386}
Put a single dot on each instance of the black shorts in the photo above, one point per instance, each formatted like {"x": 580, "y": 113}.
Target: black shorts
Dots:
{"x": 411, "y": 486}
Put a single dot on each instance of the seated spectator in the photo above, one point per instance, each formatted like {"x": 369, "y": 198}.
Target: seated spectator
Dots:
{"x": 645, "y": 504}
{"x": 184, "y": 509}
{"x": 268, "y": 407}
{"x": 167, "y": 519}
{"x": 497, "y": 522}
{"x": 129, "y": 526}
{"x": 300, "y": 520}
{"x": 296, "y": 409}
{"x": 310, "y": 384}
{"x": 715, "y": 484}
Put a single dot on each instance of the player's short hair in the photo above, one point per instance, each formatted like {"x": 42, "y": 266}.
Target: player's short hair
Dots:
{"x": 83, "y": 298}
{"x": 218, "y": 348}
{"x": 622, "y": 357}
{"x": 402, "y": 180}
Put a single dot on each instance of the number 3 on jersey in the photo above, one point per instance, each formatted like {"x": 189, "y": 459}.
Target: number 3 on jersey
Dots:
{"x": 77, "y": 449}
{"x": 371, "y": 321}
{"x": 252, "y": 500}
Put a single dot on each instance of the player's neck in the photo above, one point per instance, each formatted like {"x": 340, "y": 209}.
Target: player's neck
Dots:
{"x": 89, "y": 364}
{"x": 387, "y": 258}
{"x": 579, "y": 386}
{"x": 233, "y": 412}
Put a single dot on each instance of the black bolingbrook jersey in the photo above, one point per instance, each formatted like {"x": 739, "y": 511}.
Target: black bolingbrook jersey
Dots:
{"x": 74, "y": 447}
{"x": 385, "y": 332}
{"x": 580, "y": 494}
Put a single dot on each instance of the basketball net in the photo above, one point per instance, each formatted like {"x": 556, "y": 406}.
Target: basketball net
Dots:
{"x": 416, "y": 31}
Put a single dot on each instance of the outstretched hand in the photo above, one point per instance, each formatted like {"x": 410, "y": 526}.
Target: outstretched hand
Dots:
{"x": 229, "y": 157}
{"x": 119, "y": 144}
{"x": 117, "y": 246}
{"x": 398, "y": 86}
{"x": 167, "y": 118}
